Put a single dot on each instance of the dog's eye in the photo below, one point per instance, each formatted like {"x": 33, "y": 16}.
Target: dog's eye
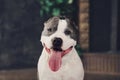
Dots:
{"x": 67, "y": 32}
{"x": 50, "y": 29}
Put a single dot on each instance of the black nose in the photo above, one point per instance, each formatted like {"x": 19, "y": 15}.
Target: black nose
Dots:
{"x": 57, "y": 42}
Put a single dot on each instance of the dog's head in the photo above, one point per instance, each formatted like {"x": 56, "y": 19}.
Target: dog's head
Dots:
{"x": 58, "y": 38}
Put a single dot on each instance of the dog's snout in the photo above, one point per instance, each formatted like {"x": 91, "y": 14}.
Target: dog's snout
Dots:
{"x": 57, "y": 42}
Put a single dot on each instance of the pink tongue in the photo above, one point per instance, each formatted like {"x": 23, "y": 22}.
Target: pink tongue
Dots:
{"x": 55, "y": 60}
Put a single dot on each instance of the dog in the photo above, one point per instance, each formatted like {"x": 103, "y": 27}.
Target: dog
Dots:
{"x": 59, "y": 59}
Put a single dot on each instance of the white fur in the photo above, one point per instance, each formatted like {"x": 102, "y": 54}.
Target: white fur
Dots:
{"x": 71, "y": 68}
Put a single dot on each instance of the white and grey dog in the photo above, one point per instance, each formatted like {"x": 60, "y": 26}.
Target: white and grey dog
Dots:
{"x": 59, "y": 59}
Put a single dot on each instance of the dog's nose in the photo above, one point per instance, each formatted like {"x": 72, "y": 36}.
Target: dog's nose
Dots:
{"x": 57, "y": 42}
{"x": 62, "y": 17}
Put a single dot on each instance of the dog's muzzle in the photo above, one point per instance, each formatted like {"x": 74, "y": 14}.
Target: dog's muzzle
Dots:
{"x": 56, "y": 54}
{"x": 57, "y": 44}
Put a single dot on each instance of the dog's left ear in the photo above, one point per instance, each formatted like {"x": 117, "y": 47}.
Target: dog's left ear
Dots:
{"x": 74, "y": 24}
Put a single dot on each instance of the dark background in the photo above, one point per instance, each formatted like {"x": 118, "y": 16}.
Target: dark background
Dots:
{"x": 20, "y": 31}
{"x": 104, "y": 26}
{"x": 20, "y": 28}
{"x": 100, "y": 25}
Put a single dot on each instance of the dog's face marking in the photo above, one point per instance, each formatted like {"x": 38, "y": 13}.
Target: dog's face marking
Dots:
{"x": 61, "y": 28}
{"x": 71, "y": 29}
{"x": 50, "y": 26}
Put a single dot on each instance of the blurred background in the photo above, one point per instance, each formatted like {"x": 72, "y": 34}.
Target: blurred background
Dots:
{"x": 21, "y": 23}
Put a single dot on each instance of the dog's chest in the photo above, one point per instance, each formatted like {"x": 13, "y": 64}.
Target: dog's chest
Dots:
{"x": 70, "y": 69}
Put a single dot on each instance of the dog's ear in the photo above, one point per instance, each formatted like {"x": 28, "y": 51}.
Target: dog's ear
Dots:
{"x": 53, "y": 20}
{"x": 74, "y": 24}
{"x": 47, "y": 21}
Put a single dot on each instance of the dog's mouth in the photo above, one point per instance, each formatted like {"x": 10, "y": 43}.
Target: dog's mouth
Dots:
{"x": 55, "y": 59}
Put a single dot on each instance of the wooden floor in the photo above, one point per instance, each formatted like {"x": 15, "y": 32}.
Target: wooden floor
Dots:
{"x": 96, "y": 76}
{"x": 31, "y": 74}
{"x": 22, "y": 74}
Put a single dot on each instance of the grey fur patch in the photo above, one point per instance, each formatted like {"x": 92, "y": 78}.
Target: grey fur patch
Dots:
{"x": 72, "y": 28}
{"x": 50, "y": 26}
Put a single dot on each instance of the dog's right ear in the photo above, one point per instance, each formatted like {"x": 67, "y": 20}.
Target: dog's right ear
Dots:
{"x": 55, "y": 18}
{"x": 53, "y": 21}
